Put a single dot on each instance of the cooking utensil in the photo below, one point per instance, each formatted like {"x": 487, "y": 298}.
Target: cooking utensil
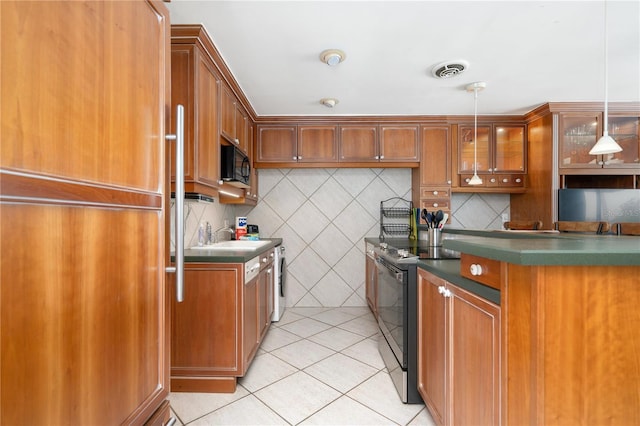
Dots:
{"x": 437, "y": 218}
{"x": 445, "y": 218}
{"x": 424, "y": 215}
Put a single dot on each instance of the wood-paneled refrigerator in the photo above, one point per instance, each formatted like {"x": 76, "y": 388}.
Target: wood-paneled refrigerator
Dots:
{"x": 84, "y": 203}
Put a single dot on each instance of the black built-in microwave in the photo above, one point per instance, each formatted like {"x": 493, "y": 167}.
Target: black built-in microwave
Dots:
{"x": 234, "y": 166}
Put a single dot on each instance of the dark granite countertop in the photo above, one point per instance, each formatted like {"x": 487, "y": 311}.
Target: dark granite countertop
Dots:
{"x": 540, "y": 248}
{"x": 227, "y": 256}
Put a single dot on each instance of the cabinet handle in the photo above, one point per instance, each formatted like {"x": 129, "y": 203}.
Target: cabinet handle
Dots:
{"x": 435, "y": 192}
{"x": 441, "y": 289}
{"x": 505, "y": 180}
{"x": 299, "y": 157}
{"x": 435, "y": 204}
{"x": 493, "y": 180}
{"x": 295, "y": 158}
{"x": 444, "y": 291}
{"x": 237, "y": 141}
{"x": 179, "y": 217}
{"x": 475, "y": 269}
{"x": 382, "y": 157}
{"x": 377, "y": 157}
{"x": 264, "y": 260}
{"x": 449, "y": 182}
{"x": 518, "y": 180}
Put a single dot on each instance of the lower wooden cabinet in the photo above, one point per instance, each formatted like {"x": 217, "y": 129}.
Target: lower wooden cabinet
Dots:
{"x": 217, "y": 329}
{"x": 458, "y": 353}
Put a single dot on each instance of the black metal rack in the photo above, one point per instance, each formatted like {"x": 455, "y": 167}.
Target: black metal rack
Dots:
{"x": 395, "y": 218}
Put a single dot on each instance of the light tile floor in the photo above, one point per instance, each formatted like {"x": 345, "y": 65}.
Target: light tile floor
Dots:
{"x": 317, "y": 366}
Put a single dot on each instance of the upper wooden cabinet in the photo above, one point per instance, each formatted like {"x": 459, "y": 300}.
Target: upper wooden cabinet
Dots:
{"x": 233, "y": 120}
{"x": 431, "y": 182}
{"x": 501, "y": 156}
{"x": 317, "y": 144}
{"x": 378, "y": 143}
{"x": 359, "y": 143}
{"x": 287, "y": 144}
{"x": 579, "y": 132}
{"x": 196, "y": 85}
{"x": 399, "y": 142}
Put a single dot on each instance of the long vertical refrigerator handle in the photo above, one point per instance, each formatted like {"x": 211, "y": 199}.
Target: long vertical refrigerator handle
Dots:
{"x": 179, "y": 216}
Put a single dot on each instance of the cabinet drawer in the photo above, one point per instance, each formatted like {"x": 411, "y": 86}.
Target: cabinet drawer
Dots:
{"x": 516, "y": 181}
{"x": 435, "y": 204}
{"x": 434, "y": 192}
{"x": 481, "y": 269}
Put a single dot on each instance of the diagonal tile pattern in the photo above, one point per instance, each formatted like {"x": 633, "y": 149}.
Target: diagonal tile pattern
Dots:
{"x": 317, "y": 366}
{"x": 322, "y": 215}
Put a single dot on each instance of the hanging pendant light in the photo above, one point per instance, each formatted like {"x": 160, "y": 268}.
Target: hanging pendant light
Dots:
{"x": 475, "y": 87}
{"x": 606, "y": 144}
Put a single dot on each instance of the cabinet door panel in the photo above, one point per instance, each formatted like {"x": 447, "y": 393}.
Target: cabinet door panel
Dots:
{"x": 578, "y": 134}
{"x": 359, "y": 143}
{"x": 475, "y": 359}
{"x": 399, "y": 143}
{"x": 277, "y": 143}
{"x": 467, "y": 149}
{"x": 509, "y": 149}
{"x": 250, "y": 330}
{"x": 435, "y": 156}
{"x": 207, "y": 128}
{"x": 432, "y": 365}
{"x": 626, "y": 132}
{"x": 317, "y": 143}
{"x": 227, "y": 114}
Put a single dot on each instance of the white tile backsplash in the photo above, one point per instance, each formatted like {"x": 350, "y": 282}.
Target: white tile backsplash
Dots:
{"x": 322, "y": 215}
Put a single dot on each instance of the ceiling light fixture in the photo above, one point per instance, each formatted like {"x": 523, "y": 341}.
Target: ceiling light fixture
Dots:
{"x": 329, "y": 102}
{"x": 475, "y": 87}
{"x": 606, "y": 144}
{"x": 332, "y": 57}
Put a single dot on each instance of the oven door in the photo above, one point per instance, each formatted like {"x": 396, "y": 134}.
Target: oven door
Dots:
{"x": 392, "y": 302}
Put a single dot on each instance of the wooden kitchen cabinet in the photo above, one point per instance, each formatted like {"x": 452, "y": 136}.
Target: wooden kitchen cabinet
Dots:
{"x": 359, "y": 143}
{"x": 277, "y": 144}
{"x": 501, "y": 157}
{"x": 217, "y": 330}
{"x": 458, "y": 353}
{"x": 317, "y": 144}
{"x": 579, "y": 132}
{"x": 234, "y": 121}
{"x": 196, "y": 85}
{"x": 84, "y": 207}
{"x": 431, "y": 182}
{"x": 399, "y": 142}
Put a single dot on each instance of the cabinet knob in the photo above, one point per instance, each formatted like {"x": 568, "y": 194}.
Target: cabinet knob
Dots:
{"x": 237, "y": 140}
{"x": 449, "y": 182}
{"x": 475, "y": 269}
{"x": 377, "y": 157}
{"x": 518, "y": 180}
{"x": 435, "y": 204}
{"x": 299, "y": 157}
{"x": 264, "y": 260}
{"x": 505, "y": 180}
{"x": 493, "y": 180}
{"x": 382, "y": 157}
{"x": 435, "y": 192}
{"x": 295, "y": 158}
{"x": 467, "y": 180}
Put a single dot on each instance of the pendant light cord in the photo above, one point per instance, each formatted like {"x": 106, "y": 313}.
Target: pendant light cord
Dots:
{"x": 606, "y": 74}
{"x": 475, "y": 131}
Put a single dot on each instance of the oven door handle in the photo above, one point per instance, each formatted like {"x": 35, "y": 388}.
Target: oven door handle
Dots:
{"x": 389, "y": 269}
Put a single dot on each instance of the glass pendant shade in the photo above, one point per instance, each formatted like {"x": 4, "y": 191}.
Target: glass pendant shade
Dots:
{"x": 475, "y": 180}
{"x": 605, "y": 145}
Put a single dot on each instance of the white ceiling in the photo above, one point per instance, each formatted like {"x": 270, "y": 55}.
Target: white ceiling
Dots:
{"x": 528, "y": 53}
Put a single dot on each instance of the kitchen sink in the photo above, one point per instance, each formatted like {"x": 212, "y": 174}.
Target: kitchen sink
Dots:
{"x": 244, "y": 245}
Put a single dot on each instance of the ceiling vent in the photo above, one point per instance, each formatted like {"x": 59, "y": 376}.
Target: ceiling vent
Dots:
{"x": 449, "y": 69}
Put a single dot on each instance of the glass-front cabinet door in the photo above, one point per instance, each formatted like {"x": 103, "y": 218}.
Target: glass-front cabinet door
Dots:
{"x": 509, "y": 149}
{"x": 466, "y": 146}
{"x": 578, "y": 134}
{"x": 625, "y": 131}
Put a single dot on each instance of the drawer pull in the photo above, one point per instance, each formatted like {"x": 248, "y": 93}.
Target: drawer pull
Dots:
{"x": 518, "y": 180}
{"x": 435, "y": 192}
{"x": 505, "y": 180}
{"x": 475, "y": 269}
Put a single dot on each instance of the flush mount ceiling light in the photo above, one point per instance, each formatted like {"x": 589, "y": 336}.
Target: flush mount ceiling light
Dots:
{"x": 475, "y": 87}
{"x": 606, "y": 144}
{"x": 449, "y": 69}
{"x": 332, "y": 57}
{"x": 329, "y": 102}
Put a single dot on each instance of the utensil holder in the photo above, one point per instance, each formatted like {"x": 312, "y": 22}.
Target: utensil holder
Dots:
{"x": 434, "y": 237}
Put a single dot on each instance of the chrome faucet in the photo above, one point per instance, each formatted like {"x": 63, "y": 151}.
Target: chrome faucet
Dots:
{"x": 224, "y": 229}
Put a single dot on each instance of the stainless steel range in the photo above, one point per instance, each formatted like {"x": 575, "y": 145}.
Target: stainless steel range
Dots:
{"x": 398, "y": 311}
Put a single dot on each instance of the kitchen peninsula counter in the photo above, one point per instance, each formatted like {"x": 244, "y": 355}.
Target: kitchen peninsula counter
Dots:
{"x": 569, "y": 319}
